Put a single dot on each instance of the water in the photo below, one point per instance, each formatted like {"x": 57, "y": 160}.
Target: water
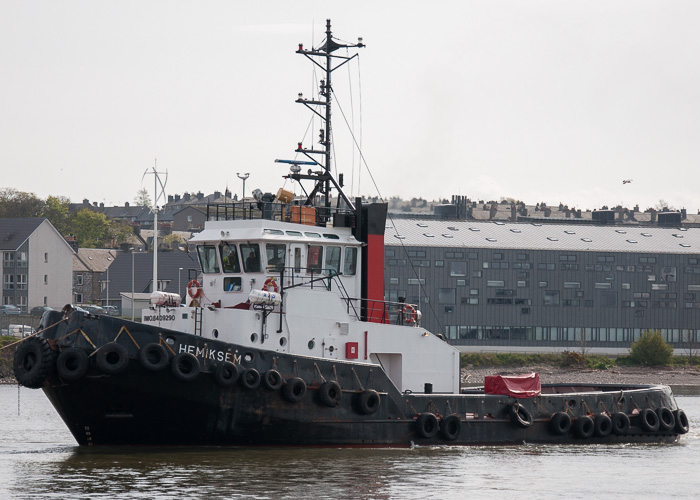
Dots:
{"x": 39, "y": 460}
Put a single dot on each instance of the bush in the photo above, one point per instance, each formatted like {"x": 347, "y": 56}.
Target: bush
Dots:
{"x": 651, "y": 349}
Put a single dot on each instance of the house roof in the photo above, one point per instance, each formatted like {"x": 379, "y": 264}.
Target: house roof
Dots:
{"x": 14, "y": 232}
{"x": 534, "y": 236}
{"x": 93, "y": 260}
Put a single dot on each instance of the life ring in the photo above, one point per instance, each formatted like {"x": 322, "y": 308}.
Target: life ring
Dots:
{"x": 450, "y": 427}
{"x": 272, "y": 379}
{"x": 427, "y": 425}
{"x": 153, "y": 357}
{"x": 270, "y": 282}
{"x": 560, "y": 423}
{"x": 112, "y": 358}
{"x": 666, "y": 419}
{"x": 33, "y": 362}
{"x": 620, "y": 423}
{"x": 584, "y": 427}
{"x": 330, "y": 393}
{"x": 649, "y": 420}
{"x": 409, "y": 314}
{"x": 294, "y": 390}
{"x": 72, "y": 363}
{"x": 226, "y": 374}
{"x": 602, "y": 425}
{"x": 194, "y": 289}
{"x": 682, "y": 425}
{"x": 520, "y": 415}
{"x": 250, "y": 378}
{"x": 185, "y": 366}
{"x": 368, "y": 401}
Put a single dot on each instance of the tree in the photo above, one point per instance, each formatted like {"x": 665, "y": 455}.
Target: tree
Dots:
{"x": 651, "y": 349}
{"x": 90, "y": 228}
{"x": 14, "y": 204}
{"x": 143, "y": 199}
{"x": 119, "y": 232}
{"x": 56, "y": 210}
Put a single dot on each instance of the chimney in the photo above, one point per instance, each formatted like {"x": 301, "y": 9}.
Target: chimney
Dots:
{"x": 684, "y": 214}
{"x": 94, "y": 203}
{"x": 126, "y": 204}
{"x": 652, "y": 215}
{"x": 102, "y": 205}
{"x": 86, "y": 201}
{"x": 217, "y": 195}
{"x": 177, "y": 197}
{"x": 186, "y": 197}
{"x": 170, "y": 198}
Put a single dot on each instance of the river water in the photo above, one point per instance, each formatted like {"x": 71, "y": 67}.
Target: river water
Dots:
{"x": 40, "y": 460}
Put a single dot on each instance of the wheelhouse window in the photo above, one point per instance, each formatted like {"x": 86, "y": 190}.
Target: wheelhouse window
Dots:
{"x": 332, "y": 260}
{"x": 207, "y": 259}
{"x": 275, "y": 256}
{"x": 229, "y": 258}
{"x": 350, "y": 266}
{"x": 251, "y": 253}
{"x": 314, "y": 261}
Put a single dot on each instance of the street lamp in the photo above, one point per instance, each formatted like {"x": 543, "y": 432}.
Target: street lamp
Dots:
{"x": 179, "y": 287}
{"x": 243, "y": 177}
{"x": 132, "y": 283}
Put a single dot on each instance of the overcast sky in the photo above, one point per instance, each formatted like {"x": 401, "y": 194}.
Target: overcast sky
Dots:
{"x": 550, "y": 100}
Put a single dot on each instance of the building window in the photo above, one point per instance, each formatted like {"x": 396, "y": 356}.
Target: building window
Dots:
{"x": 9, "y": 282}
{"x": 350, "y": 266}
{"x": 461, "y": 282}
{"x": 79, "y": 298}
{"x": 543, "y": 284}
{"x": 659, "y": 286}
{"x": 551, "y": 297}
{"x": 603, "y": 286}
{"x": 393, "y": 281}
{"x": 46, "y": 279}
{"x": 495, "y": 283}
{"x": 626, "y": 286}
{"x": 439, "y": 263}
{"x": 21, "y": 282}
{"x": 46, "y": 256}
{"x": 447, "y": 296}
{"x": 21, "y": 259}
{"x": 458, "y": 268}
{"x": 521, "y": 284}
{"x": 79, "y": 279}
{"x": 572, "y": 284}
{"x": 416, "y": 281}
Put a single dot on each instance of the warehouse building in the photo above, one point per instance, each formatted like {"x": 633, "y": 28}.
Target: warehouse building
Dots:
{"x": 546, "y": 286}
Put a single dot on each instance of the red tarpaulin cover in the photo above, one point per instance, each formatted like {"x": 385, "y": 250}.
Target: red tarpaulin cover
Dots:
{"x": 517, "y": 386}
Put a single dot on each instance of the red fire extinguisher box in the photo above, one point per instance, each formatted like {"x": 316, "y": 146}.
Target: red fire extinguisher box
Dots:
{"x": 351, "y": 350}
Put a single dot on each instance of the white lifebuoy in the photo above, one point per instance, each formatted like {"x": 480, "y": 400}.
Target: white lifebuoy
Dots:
{"x": 409, "y": 313}
{"x": 194, "y": 289}
{"x": 270, "y": 282}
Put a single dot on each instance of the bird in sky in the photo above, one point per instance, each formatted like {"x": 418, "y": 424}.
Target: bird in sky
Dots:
{"x": 627, "y": 181}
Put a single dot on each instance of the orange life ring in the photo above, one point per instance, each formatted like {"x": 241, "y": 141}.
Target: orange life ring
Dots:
{"x": 194, "y": 289}
{"x": 270, "y": 282}
{"x": 409, "y": 313}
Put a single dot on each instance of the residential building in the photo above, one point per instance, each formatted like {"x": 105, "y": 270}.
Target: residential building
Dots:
{"x": 88, "y": 266}
{"x": 36, "y": 264}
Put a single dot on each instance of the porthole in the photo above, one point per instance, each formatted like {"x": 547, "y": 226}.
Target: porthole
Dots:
{"x": 170, "y": 340}
{"x": 283, "y": 341}
{"x": 215, "y": 333}
{"x": 248, "y": 357}
{"x": 253, "y": 337}
{"x": 311, "y": 344}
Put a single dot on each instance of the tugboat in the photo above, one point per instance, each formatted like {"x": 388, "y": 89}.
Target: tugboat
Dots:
{"x": 287, "y": 340}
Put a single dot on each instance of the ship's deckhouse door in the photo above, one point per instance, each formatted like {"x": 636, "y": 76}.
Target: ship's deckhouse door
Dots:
{"x": 297, "y": 261}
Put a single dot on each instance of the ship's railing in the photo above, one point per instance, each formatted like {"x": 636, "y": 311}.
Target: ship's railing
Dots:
{"x": 273, "y": 210}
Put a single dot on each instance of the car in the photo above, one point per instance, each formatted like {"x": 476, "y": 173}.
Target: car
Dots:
{"x": 94, "y": 309}
{"x": 9, "y": 309}
{"x": 112, "y": 310}
{"x": 40, "y": 310}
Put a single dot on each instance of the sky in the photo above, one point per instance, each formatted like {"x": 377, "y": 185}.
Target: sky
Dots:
{"x": 545, "y": 100}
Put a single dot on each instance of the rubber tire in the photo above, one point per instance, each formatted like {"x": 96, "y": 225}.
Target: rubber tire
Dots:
{"x": 649, "y": 420}
{"x": 427, "y": 425}
{"x": 33, "y": 362}
{"x": 272, "y": 380}
{"x": 368, "y": 401}
{"x": 227, "y": 374}
{"x": 185, "y": 366}
{"x": 682, "y": 424}
{"x": 72, "y": 363}
{"x": 584, "y": 427}
{"x": 602, "y": 425}
{"x": 620, "y": 423}
{"x": 112, "y": 358}
{"x": 560, "y": 423}
{"x": 450, "y": 427}
{"x": 251, "y": 379}
{"x": 294, "y": 390}
{"x": 153, "y": 357}
{"x": 330, "y": 393}
{"x": 667, "y": 421}
{"x": 520, "y": 416}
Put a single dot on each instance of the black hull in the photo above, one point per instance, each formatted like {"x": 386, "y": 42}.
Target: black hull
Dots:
{"x": 140, "y": 406}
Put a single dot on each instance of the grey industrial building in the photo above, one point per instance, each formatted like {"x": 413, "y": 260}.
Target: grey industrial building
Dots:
{"x": 492, "y": 285}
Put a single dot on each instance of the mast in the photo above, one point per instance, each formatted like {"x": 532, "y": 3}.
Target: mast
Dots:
{"x": 324, "y": 180}
{"x": 156, "y": 197}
